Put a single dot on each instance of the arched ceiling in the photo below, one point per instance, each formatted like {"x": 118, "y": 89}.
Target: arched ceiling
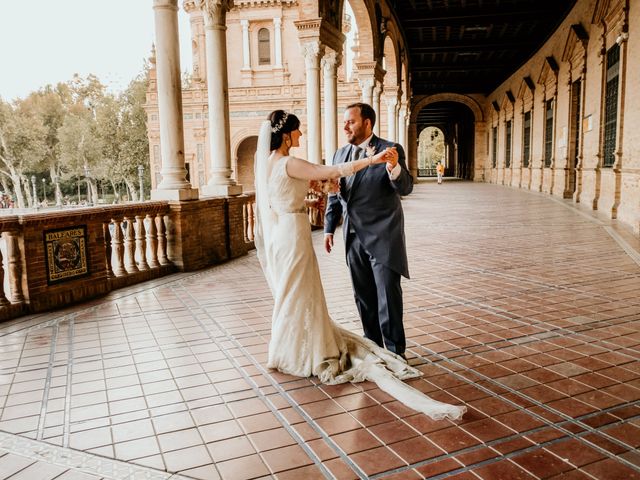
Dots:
{"x": 472, "y": 46}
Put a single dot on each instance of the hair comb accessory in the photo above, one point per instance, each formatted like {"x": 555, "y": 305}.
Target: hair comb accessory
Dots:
{"x": 278, "y": 126}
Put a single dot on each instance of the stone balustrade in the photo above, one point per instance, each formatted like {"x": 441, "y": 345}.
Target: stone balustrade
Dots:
{"x": 53, "y": 259}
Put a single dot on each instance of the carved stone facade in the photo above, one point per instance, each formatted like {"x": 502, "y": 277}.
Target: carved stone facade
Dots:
{"x": 266, "y": 71}
{"x": 587, "y": 92}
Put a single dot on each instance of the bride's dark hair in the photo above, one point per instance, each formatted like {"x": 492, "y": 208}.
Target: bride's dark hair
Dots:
{"x": 281, "y": 122}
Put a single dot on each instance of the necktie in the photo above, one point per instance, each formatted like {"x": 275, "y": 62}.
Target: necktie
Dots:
{"x": 355, "y": 155}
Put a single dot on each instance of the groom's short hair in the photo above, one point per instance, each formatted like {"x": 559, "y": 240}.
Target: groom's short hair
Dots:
{"x": 366, "y": 111}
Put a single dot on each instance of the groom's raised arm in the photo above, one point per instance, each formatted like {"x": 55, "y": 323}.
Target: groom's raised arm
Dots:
{"x": 403, "y": 183}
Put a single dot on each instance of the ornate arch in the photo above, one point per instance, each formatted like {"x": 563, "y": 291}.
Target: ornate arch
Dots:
{"x": 448, "y": 97}
{"x": 367, "y": 33}
{"x": 391, "y": 54}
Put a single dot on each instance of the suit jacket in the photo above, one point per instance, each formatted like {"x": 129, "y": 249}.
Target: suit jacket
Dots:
{"x": 372, "y": 208}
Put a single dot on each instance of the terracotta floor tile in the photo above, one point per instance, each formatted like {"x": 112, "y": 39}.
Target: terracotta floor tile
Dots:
{"x": 492, "y": 406}
{"x": 627, "y": 433}
{"x": 575, "y": 452}
{"x": 611, "y": 470}
{"x": 259, "y": 422}
{"x": 438, "y": 467}
{"x": 519, "y": 421}
{"x": 355, "y": 441}
{"x": 512, "y": 445}
{"x": 340, "y": 470}
{"x": 309, "y": 472}
{"x": 394, "y": 431}
{"x": 243, "y": 468}
{"x": 416, "y": 450}
{"x": 271, "y": 439}
{"x": 338, "y": 423}
{"x": 355, "y": 401}
{"x": 572, "y": 475}
{"x": 323, "y": 408}
{"x": 572, "y": 407}
{"x": 322, "y": 449}
{"x": 487, "y": 430}
{"x": 230, "y": 448}
{"x": 286, "y": 458}
{"x": 452, "y": 439}
{"x": 373, "y": 415}
{"x": 502, "y": 470}
{"x": 377, "y": 460}
{"x": 503, "y": 319}
{"x": 476, "y": 456}
{"x": 541, "y": 463}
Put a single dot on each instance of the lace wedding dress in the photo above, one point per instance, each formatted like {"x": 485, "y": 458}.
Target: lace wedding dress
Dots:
{"x": 304, "y": 339}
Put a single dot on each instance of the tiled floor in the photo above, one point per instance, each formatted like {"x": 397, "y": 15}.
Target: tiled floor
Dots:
{"x": 520, "y": 306}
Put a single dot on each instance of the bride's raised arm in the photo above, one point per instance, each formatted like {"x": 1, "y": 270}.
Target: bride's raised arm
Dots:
{"x": 303, "y": 170}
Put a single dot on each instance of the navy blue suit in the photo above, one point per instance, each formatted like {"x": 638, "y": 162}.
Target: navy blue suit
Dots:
{"x": 374, "y": 238}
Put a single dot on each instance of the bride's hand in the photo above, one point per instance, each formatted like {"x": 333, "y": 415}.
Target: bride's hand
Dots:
{"x": 382, "y": 156}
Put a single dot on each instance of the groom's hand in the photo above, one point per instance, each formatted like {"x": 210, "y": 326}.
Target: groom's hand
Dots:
{"x": 392, "y": 158}
{"x": 328, "y": 242}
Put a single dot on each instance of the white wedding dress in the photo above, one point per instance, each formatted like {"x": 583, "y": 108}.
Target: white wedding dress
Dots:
{"x": 304, "y": 339}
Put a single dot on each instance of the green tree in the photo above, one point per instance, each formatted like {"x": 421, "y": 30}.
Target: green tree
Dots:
{"x": 23, "y": 146}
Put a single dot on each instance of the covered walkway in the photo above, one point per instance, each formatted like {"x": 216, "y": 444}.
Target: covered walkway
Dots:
{"x": 520, "y": 306}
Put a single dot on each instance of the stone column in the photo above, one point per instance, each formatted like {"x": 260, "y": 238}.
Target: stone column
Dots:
{"x": 330, "y": 63}
{"x": 277, "y": 28}
{"x": 366, "y": 85}
{"x": 402, "y": 125}
{"x": 392, "y": 102}
{"x": 412, "y": 153}
{"x": 246, "y": 59}
{"x": 377, "y": 91}
{"x": 174, "y": 185}
{"x": 220, "y": 183}
{"x": 313, "y": 51}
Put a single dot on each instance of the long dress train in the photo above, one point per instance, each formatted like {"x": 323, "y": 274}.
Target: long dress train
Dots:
{"x": 304, "y": 339}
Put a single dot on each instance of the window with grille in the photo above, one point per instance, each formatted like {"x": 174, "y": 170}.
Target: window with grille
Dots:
{"x": 575, "y": 105}
{"x": 611, "y": 106}
{"x": 264, "y": 47}
{"x": 548, "y": 133}
{"x": 526, "y": 139}
{"x": 494, "y": 155}
{"x": 507, "y": 145}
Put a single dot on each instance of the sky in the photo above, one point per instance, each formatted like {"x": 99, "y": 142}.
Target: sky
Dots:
{"x": 47, "y": 41}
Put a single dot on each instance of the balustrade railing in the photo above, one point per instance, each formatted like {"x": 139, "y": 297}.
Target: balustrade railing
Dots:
{"x": 11, "y": 259}
{"x": 135, "y": 239}
{"x": 51, "y": 259}
{"x": 249, "y": 217}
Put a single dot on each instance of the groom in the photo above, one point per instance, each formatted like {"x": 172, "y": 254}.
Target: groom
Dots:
{"x": 373, "y": 227}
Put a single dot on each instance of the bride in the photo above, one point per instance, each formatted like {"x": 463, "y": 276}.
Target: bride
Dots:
{"x": 304, "y": 339}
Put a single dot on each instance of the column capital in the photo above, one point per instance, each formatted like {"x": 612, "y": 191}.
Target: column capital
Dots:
{"x": 277, "y": 22}
{"x": 331, "y": 61}
{"x": 371, "y": 69}
{"x": 312, "y": 51}
{"x": 215, "y": 12}
{"x": 245, "y": 23}
{"x": 189, "y": 5}
{"x": 391, "y": 100}
{"x": 366, "y": 82}
{"x": 378, "y": 88}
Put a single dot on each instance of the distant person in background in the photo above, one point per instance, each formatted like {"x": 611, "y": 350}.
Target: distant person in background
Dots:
{"x": 440, "y": 171}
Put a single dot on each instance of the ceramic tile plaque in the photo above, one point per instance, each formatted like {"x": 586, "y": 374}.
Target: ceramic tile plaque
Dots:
{"x": 66, "y": 253}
